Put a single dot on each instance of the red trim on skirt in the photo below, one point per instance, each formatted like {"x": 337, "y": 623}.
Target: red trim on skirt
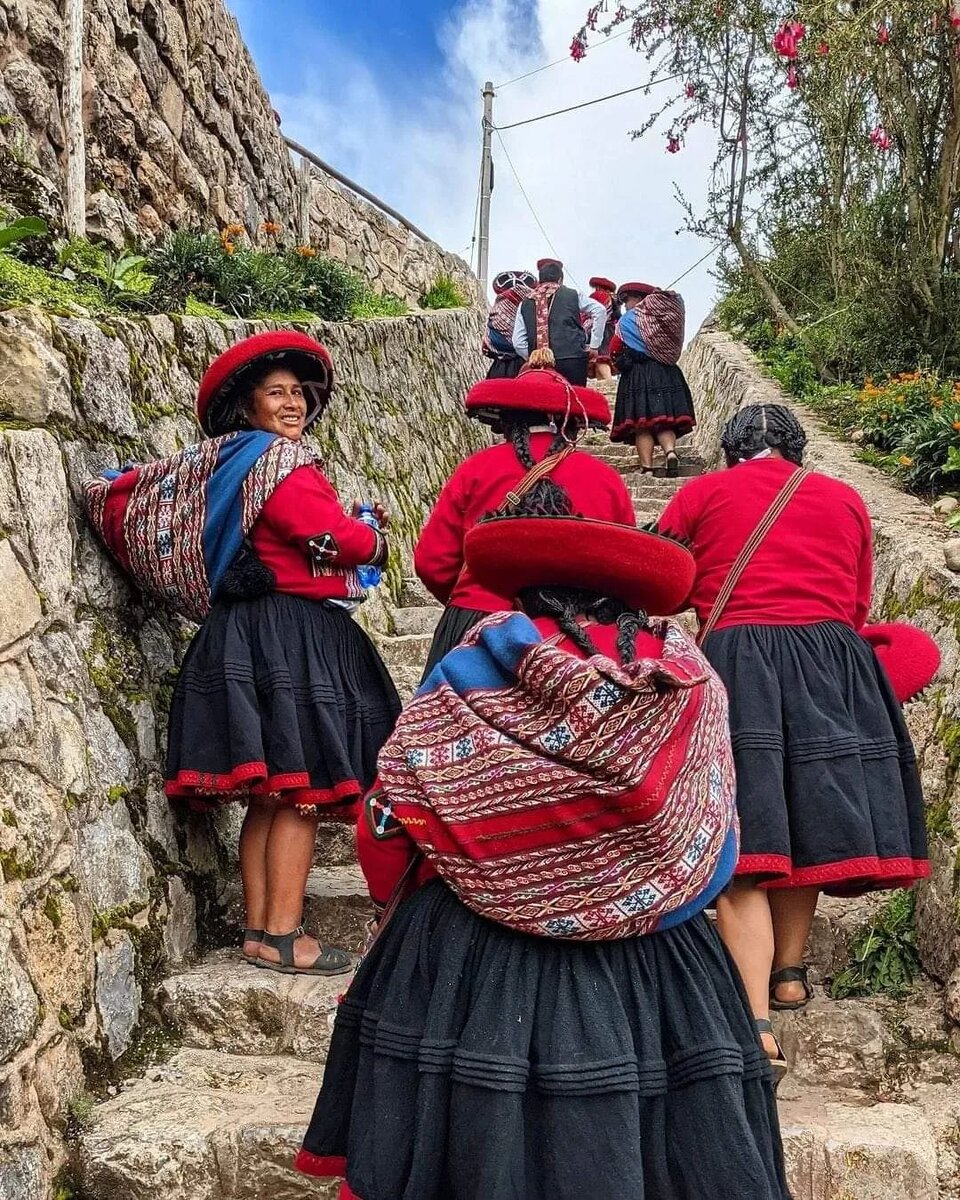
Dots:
{"x": 323, "y": 1166}
{"x": 205, "y": 790}
{"x": 649, "y": 424}
{"x": 855, "y": 874}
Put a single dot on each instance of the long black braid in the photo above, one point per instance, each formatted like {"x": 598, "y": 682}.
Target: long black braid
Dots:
{"x": 546, "y": 498}
{"x": 565, "y": 605}
{"x": 759, "y": 427}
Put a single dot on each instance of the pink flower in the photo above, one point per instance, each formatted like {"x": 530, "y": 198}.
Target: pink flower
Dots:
{"x": 673, "y": 144}
{"x": 690, "y": 91}
{"x": 880, "y": 138}
{"x": 823, "y": 49}
{"x": 578, "y": 48}
{"x": 793, "y": 79}
{"x": 955, "y": 15}
{"x": 883, "y": 34}
{"x": 788, "y": 38}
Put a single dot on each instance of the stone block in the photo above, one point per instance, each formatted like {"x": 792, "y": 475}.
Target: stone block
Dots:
{"x": 415, "y": 622}
{"x": 20, "y": 610}
{"x": 227, "y": 1004}
{"x": 22, "y": 1174}
{"x": 105, "y": 394}
{"x": 207, "y": 1126}
{"x": 16, "y": 706}
{"x": 117, "y": 991}
{"x": 44, "y": 518}
{"x": 58, "y": 952}
{"x": 180, "y": 929}
{"x": 337, "y": 906}
{"x": 834, "y": 1043}
{"x": 113, "y": 865}
{"x": 34, "y": 377}
{"x": 19, "y": 1007}
{"x": 39, "y": 826}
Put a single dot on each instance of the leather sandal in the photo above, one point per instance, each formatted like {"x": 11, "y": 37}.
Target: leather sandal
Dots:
{"x": 671, "y": 466}
{"x": 790, "y": 975}
{"x": 251, "y": 935}
{"x": 330, "y": 960}
{"x": 778, "y": 1062}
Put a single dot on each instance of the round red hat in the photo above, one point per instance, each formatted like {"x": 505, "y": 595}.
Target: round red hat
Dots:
{"x": 548, "y": 262}
{"x": 217, "y": 409}
{"x": 910, "y": 657}
{"x": 635, "y": 289}
{"x": 601, "y": 281}
{"x": 539, "y": 390}
{"x": 644, "y": 570}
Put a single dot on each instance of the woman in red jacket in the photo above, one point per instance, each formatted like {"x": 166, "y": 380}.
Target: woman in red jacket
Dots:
{"x": 281, "y": 702}
{"x": 827, "y": 786}
{"x": 539, "y": 414}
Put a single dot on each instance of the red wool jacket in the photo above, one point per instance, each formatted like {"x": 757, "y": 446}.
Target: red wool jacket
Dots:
{"x": 308, "y": 541}
{"x": 383, "y": 861}
{"x": 478, "y": 487}
{"x": 816, "y": 564}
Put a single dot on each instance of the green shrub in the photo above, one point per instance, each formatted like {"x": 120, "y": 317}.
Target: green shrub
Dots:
{"x": 445, "y": 293}
{"x": 21, "y": 283}
{"x": 375, "y": 304}
{"x": 883, "y": 958}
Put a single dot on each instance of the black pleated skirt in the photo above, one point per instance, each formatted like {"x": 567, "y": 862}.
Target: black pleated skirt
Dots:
{"x": 470, "y": 1062}
{"x": 652, "y": 397}
{"x": 454, "y": 625}
{"x": 505, "y": 368}
{"x": 827, "y": 785}
{"x": 279, "y": 696}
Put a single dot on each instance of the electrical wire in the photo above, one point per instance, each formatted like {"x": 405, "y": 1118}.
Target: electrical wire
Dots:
{"x": 476, "y": 220}
{"x": 587, "y": 103}
{"x": 523, "y": 192}
{"x": 713, "y": 249}
{"x": 557, "y": 61}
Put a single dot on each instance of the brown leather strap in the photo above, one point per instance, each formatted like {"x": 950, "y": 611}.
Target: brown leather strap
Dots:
{"x": 753, "y": 543}
{"x": 540, "y": 471}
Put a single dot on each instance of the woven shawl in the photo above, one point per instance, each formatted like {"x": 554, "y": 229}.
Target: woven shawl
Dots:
{"x": 661, "y": 319}
{"x": 566, "y": 797}
{"x": 176, "y": 524}
{"x": 503, "y": 312}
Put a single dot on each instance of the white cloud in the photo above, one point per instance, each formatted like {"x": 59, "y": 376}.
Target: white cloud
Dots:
{"x": 606, "y": 202}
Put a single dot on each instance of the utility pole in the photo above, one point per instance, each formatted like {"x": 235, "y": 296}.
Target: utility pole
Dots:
{"x": 75, "y": 185}
{"x": 486, "y": 186}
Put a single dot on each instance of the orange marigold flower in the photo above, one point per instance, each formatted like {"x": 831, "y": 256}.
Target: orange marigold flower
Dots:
{"x": 271, "y": 228}
{"x": 905, "y": 460}
{"x": 956, "y": 426}
{"x": 233, "y": 231}
{"x": 306, "y": 252}
{"x": 228, "y": 247}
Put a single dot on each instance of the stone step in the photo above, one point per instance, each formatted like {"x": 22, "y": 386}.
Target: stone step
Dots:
{"x": 837, "y": 1150}
{"x": 836, "y": 1044}
{"x": 337, "y": 907}
{"x": 209, "y": 1125}
{"x": 413, "y": 594}
{"x": 416, "y": 622}
{"x": 837, "y": 922}
{"x": 226, "y": 1004}
{"x": 205, "y": 1126}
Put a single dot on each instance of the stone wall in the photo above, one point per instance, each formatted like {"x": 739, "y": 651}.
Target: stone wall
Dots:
{"x": 101, "y": 887}
{"x": 911, "y": 583}
{"x": 179, "y": 131}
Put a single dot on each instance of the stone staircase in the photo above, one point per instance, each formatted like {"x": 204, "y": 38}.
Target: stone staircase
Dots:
{"x": 870, "y": 1111}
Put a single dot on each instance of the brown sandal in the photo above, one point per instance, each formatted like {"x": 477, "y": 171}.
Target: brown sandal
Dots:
{"x": 330, "y": 960}
{"x": 778, "y": 1062}
{"x": 790, "y": 975}
{"x": 251, "y": 935}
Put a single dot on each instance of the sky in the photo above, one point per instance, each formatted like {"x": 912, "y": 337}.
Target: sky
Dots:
{"x": 390, "y": 94}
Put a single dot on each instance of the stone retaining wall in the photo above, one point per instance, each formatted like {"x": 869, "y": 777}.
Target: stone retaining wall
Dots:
{"x": 911, "y": 582}
{"x": 101, "y": 888}
{"x": 179, "y": 131}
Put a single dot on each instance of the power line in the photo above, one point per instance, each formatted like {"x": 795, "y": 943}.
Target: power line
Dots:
{"x": 523, "y": 192}
{"x": 713, "y": 249}
{"x": 476, "y": 217}
{"x": 557, "y": 61}
{"x": 587, "y": 103}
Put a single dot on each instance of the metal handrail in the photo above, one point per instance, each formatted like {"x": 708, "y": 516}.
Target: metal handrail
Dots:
{"x": 355, "y": 187}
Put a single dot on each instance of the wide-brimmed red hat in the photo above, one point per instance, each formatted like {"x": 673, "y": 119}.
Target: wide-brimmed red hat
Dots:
{"x": 644, "y": 570}
{"x": 910, "y": 657}
{"x": 548, "y": 262}
{"x": 219, "y": 398}
{"x": 635, "y": 289}
{"x": 539, "y": 390}
{"x": 600, "y": 281}
{"x": 508, "y": 280}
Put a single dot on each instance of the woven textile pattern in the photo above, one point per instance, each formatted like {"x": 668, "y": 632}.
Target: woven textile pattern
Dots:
{"x": 662, "y": 322}
{"x": 571, "y": 798}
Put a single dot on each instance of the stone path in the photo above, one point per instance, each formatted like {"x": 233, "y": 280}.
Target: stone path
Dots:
{"x": 870, "y": 1111}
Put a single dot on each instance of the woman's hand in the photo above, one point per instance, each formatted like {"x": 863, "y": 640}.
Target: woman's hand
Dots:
{"x": 382, "y": 514}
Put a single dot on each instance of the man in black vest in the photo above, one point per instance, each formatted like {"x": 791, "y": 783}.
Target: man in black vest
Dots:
{"x": 552, "y": 319}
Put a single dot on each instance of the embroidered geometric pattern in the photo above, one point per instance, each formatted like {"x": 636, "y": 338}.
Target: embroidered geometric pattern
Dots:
{"x": 564, "y": 797}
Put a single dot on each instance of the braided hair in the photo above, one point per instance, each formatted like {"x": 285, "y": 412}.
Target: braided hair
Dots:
{"x": 546, "y": 498}
{"x": 759, "y": 427}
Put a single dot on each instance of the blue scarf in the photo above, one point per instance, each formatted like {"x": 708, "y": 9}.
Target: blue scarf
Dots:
{"x": 630, "y": 332}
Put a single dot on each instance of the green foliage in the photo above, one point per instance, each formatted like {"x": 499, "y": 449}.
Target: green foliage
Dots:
{"x": 379, "y": 304}
{"x": 445, "y": 293}
{"x": 21, "y": 283}
{"x": 883, "y": 958}
{"x": 21, "y": 229}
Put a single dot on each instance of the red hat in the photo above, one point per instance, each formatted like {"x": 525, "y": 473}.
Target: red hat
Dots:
{"x": 217, "y": 400}
{"x": 548, "y": 262}
{"x": 636, "y": 289}
{"x": 539, "y": 390}
{"x": 644, "y": 570}
{"x": 600, "y": 281}
{"x": 910, "y": 657}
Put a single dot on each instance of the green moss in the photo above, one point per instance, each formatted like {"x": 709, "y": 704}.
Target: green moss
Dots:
{"x": 52, "y": 911}
{"x": 938, "y": 820}
{"x": 9, "y": 817}
{"x": 118, "y": 917}
{"x": 15, "y": 868}
{"x": 116, "y": 793}
{"x": 22, "y": 284}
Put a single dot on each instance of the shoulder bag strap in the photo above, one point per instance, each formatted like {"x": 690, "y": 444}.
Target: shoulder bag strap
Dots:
{"x": 782, "y": 499}
{"x": 537, "y": 472}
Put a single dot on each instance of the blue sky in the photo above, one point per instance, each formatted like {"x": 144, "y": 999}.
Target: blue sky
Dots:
{"x": 390, "y": 94}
